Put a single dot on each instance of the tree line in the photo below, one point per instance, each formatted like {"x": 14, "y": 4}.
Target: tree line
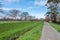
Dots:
{"x": 15, "y": 14}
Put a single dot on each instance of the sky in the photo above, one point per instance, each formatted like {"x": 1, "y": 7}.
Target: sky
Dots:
{"x": 33, "y": 7}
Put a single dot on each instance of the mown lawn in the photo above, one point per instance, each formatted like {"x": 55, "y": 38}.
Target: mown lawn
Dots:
{"x": 56, "y": 26}
{"x": 34, "y": 34}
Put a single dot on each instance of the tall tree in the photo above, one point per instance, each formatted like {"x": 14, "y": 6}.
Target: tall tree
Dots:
{"x": 24, "y": 15}
{"x": 14, "y": 13}
{"x": 53, "y": 8}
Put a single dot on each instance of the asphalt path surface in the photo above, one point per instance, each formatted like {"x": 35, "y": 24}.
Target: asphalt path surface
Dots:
{"x": 49, "y": 33}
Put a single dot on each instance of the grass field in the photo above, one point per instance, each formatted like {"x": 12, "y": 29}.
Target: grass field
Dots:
{"x": 9, "y": 30}
{"x": 33, "y": 34}
{"x": 56, "y": 26}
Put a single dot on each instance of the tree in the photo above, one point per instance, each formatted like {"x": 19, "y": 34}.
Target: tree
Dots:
{"x": 55, "y": 1}
{"x": 24, "y": 15}
{"x": 48, "y": 16}
{"x": 53, "y": 8}
{"x": 14, "y": 13}
{"x": 48, "y": 13}
{"x": 53, "y": 13}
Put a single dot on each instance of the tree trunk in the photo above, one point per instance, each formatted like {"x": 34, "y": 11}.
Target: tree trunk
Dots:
{"x": 54, "y": 17}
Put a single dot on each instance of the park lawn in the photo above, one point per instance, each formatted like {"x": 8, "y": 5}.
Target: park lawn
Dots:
{"x": 8, "y": 30}
{"x": 56, "y": 26}
{"x": 34, "y": 34}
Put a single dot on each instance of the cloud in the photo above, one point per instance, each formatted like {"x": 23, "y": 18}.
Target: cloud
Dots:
{"x": 10, "y": 8}
{"x": 40, "y": 2}
{"x": 11, "y": 0}
{"x": 39, "y": 15}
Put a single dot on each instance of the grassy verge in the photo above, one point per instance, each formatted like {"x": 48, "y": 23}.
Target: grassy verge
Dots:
{"x": 33, "y": 34}
{"x": 56, "y": 26}
{"x": 10, "y": 29}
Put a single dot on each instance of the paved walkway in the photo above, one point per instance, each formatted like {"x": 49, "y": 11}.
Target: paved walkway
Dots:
{"x": 49, "y": 33}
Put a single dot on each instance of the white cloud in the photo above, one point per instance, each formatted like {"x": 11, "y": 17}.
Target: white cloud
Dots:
{"x": 10, "y": 8}
{"x": 40, "y": 2}
{"x": 11, "y": 0}
{"x": 39, "y": 15}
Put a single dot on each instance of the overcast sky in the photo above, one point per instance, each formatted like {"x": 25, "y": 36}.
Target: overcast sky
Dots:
{"x": 34, "y": 7}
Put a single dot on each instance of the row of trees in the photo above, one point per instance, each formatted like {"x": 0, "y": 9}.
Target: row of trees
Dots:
{"x": 53, "y": 9}
{"x": 14, "y": 14}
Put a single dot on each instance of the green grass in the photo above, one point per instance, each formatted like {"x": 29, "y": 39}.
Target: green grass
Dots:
{"x": 56, "y": 26}
{"x": 9, "y": 29}
{"x": 34, "y": 34}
